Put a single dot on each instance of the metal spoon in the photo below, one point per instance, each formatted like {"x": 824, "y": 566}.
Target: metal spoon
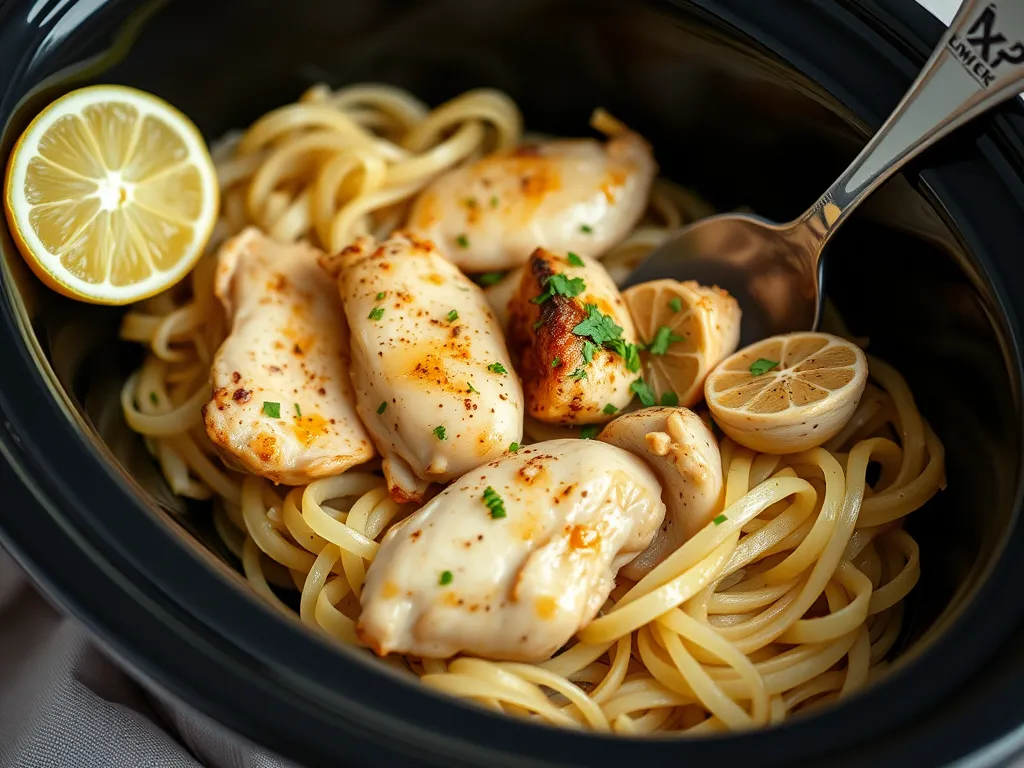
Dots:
{"x": 774, "y": 270}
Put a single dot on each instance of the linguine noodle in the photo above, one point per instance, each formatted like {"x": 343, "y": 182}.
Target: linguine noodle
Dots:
{"x": 794, "y": 600}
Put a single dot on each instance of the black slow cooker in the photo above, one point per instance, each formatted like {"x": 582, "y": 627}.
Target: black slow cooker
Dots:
{"x": 752, "y": 103}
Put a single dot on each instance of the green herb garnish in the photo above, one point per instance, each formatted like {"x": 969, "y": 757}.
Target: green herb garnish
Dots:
{"x": 610, "y": 409}
{"x": 590, "y": 431}
{"x": 298, "y": 411}
{"x": 586, "y": 229}
{"x": 676, "y": 305}
{"x": 761, "y": 366}
{"x": 560, "y": 285}
{"x": 720, "y": 519}
{"x": 382, "y": 407}
{"x": 662, "y": 338}
{"x": 497, "y": 368}
{"x": 381, "y": 295}
{"x": 538, "y": 324}
{"x": 471, "y": 202}
{"x": 446, "y": 578}
{"x": 153, "y": 398}
{"x": 273, "y": 410}
{"x": 642, "y": 391}
{"x": 489, "y": 278}
{"x": 669, "y": 398}
{"x": 578, "y": 374}
{"x": 597, "y": 326}
{"x": 589, "y": 348}
{"x": 462, "y": 241}
{"x": 575, "y": 260}
{"x": 556, "y": 362}
{"x": 472, "y": 388}
{"x": 439, "y": 433}
{"x": 376, "y": 313}
{"x": 494, "y": 503}
{"x": 452, "y": 316}
{"x": 494, "y": 201}
{"x": 513, "y": 447}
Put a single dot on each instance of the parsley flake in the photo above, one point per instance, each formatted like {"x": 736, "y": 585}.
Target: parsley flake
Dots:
{"x": 676, "y": 305}
{"x": 497, "y": 368}
{"x": 610, "y": 409}
{"x": 376, "y": 313}
{"x": 439, "y": 433}
{"x": 538, "y": 324}
{"x": 462, "y": 241}
{"x": 669, "y": 398}
{"x": 644, "y": 392}
{"x": 381, "y": 295}
{"x": 494, "y": 201}
{"x": 586, "y": 229}
{"x": 472, "y": 389}
{"x": 560, "y": 285}
{"x": 273, "y": 410}
{"x": 575, "y": 260}
{"x": 597, "y": 326}
{"x": 446, "y": 578}
{"x": 513, "y": 447}
{"x": 589, "y": 348}
{"x": 556, "y": 362}
{"x": 452, "y": 316}
{"x": 153, "y": 398}
{"x": 662, "y": 338}
{"x": 471, "y": 202}
{"x": 382, "y": 407}
{"x": 298, "y": 411}
{"x": 761, "y": 366}
{"x": 720, "y": 519}
{"x": 494, "y": 503}
{"x": 590, "y": 431}
{"x": 578, "y": 374}
{"x": 489, "y": 278}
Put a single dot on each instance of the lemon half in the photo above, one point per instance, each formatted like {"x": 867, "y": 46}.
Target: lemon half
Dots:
{"x": 111, "y": 195}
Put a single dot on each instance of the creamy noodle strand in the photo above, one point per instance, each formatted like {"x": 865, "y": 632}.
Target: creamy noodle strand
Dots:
{"x": 791, "y": 600}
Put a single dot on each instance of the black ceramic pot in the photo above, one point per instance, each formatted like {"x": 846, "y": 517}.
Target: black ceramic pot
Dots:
{"x": 757, "y": 103}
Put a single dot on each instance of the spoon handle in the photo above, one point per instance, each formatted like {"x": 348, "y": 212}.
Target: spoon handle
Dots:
{"x": 978, "y": 63}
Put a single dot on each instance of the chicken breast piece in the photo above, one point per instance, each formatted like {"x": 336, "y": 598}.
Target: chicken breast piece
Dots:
{"x": 683, "y": 453}
{"x": 574, "y": 338}
{"x": 283, "y": 405}
{"x": 566, "y": 195}
{"x": 434, "y": 382}
{"x": 513, "y": 558}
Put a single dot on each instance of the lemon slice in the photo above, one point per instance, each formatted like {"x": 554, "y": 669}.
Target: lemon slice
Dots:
{"x": 688, "y": 328}
{"x": 110, "y": 194}
{"x": 787, "y": 393}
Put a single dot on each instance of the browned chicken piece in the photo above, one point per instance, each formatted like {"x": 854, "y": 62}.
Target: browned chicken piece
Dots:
{"x": 283, "y": 405}
{"x": 575, "y": 340}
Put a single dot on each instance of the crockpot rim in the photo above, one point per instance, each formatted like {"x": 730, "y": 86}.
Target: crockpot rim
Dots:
{"x": 63, "y": 540}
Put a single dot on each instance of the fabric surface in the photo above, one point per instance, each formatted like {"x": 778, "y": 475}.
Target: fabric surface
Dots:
{"x": 63, "y": 704}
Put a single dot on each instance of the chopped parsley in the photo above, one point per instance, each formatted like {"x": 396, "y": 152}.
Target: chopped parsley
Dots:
{"x": 602, "y": 331}
{"x": 556, "y": 362}
{"x": 538, "y": 324}
{"x": 462, "y": 241}
{"x": 578, "y": 374}
{"x": 494, "y": 503}
{"x": 662, "y": 338}
{"x": 720, "y": 519}
{"x": 376, "y": 313}
{"x": 494, "y": 201}
{"x": 497, "y": 368}
{"x": 560, "y": 285}
{"x": 590, "y": 431}
{"x": 439, "y": 433}
{"x": 761, "y": 366}
{"x": 298, "y": 411}
{"x": 575, "y": 260}
{"x": 513, "y": 447}
{"x": 472, "y": 388}
{"x": 669, "y": 398}
{"x": 446, "y": 578}
{"x": 644, "y": 392}
{"x": 586, "y": 229}
{"x": 489, "y": 278}
{"x": 382, "y": 407}
{"x": 273, "y": 410}
{"x": 381, "y": 295}
{"x": 610, "y": 409}
{"x": 153, "y": 398}
{"x": 471, "y": 202}
{"x": 676, "y": 305}
{"x": 452, "y": 316}
{"x": 589, "y": 348}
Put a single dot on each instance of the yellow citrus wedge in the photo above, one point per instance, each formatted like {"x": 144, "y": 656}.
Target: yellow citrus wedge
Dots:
{"x": 787, "y": 393}
{"x": 110, "y": 194}
{"x": 687, "y": 328}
